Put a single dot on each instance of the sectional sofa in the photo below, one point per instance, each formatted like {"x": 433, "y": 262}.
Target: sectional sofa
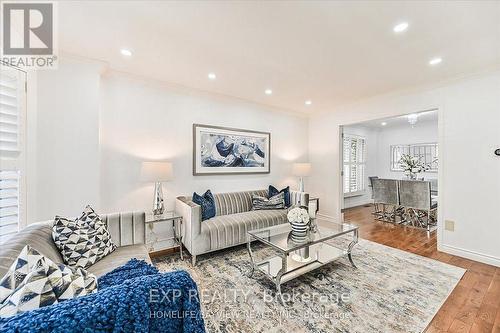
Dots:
{"x": 234, "y": 217}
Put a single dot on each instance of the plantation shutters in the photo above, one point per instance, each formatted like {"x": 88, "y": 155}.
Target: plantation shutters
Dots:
{"x": 12, "y": 150}
{"x": 354, "y": 151}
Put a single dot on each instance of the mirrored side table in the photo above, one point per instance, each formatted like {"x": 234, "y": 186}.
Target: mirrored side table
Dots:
{"x": 166, "y": 217}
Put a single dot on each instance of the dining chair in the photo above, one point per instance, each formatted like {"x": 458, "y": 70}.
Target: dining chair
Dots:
{"x": 434, "y": 186}
{"x": 377, "y": 209}
{"x": 386, "y": 194}
{"x": 415, "y": 197}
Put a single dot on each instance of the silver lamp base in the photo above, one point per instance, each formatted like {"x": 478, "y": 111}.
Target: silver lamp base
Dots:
{"x": 158, "y": 207}
{"x": 301, "y": 184}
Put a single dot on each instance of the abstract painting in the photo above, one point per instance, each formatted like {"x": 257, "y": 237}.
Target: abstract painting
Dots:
{"x": 222, "y": 150}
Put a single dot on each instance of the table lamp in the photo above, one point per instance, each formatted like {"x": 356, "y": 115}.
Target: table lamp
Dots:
{"x": 157, "y": 172}
{"x": 301, "y": 170}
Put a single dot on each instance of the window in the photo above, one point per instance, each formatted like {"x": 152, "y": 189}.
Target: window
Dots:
{"x": 354, "y": 164}
{"x": 12, "y": 151}
{"x": 426, "y": 152}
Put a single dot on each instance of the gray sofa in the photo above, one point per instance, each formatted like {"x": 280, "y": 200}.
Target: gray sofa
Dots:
{"x": 234, "y": 217}
{"x": 127, "y": 231}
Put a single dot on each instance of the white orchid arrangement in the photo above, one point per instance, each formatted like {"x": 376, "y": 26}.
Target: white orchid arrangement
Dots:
{"x": 298, "y": 215}
{"x": 412, "y": 165}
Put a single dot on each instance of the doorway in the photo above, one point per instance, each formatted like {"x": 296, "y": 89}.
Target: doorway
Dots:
{"x": 400, "y": 157}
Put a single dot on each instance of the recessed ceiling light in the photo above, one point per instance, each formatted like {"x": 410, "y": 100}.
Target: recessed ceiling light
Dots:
{"x": 383, "y": 123}
{"x": 435, "y": 61}
{"x": 268, "y": 92}
{"x": 212, "y": 76}
{"x": 400, "y": 27}
{"x": 126, "y": 52}
{"x": 308, "y": 102}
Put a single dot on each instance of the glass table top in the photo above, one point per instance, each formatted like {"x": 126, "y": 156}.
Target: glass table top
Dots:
{"x": 166, "y": 216}
{"x": 281, "y": 237}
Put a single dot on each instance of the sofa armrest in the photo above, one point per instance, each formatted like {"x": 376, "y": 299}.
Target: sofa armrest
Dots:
{"x": 299, "y": 198}
{"x": 126, "y": 228}
{"x": 191, "y": 220}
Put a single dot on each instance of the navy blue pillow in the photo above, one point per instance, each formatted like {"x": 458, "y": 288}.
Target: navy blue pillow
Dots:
{"x": 272, "y": 191}
{"x": 207, "y": 203}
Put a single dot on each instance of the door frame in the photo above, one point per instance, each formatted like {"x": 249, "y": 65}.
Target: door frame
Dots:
{"x": 340, "y": 175}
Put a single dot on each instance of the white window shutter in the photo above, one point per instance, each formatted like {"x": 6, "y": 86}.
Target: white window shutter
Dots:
{"x": 12, "y": 150}
{"x": 354, "y": 151}
{"x": 9, "y": 203}
{"x": 9, "y": 111}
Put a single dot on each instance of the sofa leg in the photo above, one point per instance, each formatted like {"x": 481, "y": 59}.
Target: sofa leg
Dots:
{"x": 193, "y": 260}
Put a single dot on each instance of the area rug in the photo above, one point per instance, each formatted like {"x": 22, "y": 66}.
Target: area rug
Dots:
{"x": 389, "y": 291}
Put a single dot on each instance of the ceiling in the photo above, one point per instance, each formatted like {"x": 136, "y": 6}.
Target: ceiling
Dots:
{"x": 329, "y": 52}
{"x": 422, "y": 117}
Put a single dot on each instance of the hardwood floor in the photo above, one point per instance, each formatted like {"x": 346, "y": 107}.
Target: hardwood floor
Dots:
{"x": 474, "y": 304}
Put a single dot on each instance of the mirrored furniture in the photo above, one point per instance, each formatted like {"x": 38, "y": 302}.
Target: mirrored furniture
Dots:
{"x": 153, "y": 238}
{"x": 288, "y": 258}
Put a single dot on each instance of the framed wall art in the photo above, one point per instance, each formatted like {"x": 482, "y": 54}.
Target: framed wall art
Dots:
{"x": 223, "y": 151}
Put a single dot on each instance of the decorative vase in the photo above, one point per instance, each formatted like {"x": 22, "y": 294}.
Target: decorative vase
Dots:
{"x": 298, "y": 217}
{"x": 299, "y": 231}
{"x": 301, "y": 255}
{"x": 411, "y": 176}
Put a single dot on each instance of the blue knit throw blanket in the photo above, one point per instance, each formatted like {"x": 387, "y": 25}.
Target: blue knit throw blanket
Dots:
{"x": 132, "y": 298}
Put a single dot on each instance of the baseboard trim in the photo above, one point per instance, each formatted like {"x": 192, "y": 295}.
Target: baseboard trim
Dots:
{"x": 360, "y": 203}
{"x": 472, "y": 255}
{"x": 328, "y": 217}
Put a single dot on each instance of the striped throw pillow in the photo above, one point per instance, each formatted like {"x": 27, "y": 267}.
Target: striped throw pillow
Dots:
{"x": 261, "y": 203}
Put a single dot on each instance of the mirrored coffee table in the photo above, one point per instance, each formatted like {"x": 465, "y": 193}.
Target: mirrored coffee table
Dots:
{"x": 294, "y": 256}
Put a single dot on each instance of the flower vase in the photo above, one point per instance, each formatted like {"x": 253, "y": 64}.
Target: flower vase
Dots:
{"x": 298, "y": 218}
{"x": 411, "y": 176}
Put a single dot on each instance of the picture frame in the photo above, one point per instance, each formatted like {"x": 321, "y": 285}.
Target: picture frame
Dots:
{"x": 221, "y": 150}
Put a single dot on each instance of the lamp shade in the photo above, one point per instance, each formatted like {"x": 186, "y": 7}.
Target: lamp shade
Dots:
{"x": 156, "y": 171}
{"x": 301, "y": 169}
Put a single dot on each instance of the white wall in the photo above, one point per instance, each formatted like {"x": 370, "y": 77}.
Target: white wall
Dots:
{"x": 422, "y": 132}
{"x": 143, "y": 120}
{"x": 93, "y": 132}
{"x": 67, "y": 140}
{"x": 469, "y": 180}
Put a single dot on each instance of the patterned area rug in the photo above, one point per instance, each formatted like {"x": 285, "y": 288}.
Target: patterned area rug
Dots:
{"x": 389, "y": 291}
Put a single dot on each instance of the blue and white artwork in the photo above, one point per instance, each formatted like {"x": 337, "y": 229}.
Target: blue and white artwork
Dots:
{"x": 222, "y": 150}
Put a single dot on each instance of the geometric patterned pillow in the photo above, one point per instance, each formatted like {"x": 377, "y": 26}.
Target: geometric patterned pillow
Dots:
{"x": 45, "y": 284}
{"x": 263, "y": 203}
{"x": 23, "y": 265}
{"x": 84, "y": 241}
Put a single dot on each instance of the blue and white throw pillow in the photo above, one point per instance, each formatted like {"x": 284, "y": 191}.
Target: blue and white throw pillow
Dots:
{"x": 262, "y": 203}
{"x": 207, "y": 203}
{"x": 272, "y": 191}
{"x": 34, "y": 281}
{"x": 84, "y": 241}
